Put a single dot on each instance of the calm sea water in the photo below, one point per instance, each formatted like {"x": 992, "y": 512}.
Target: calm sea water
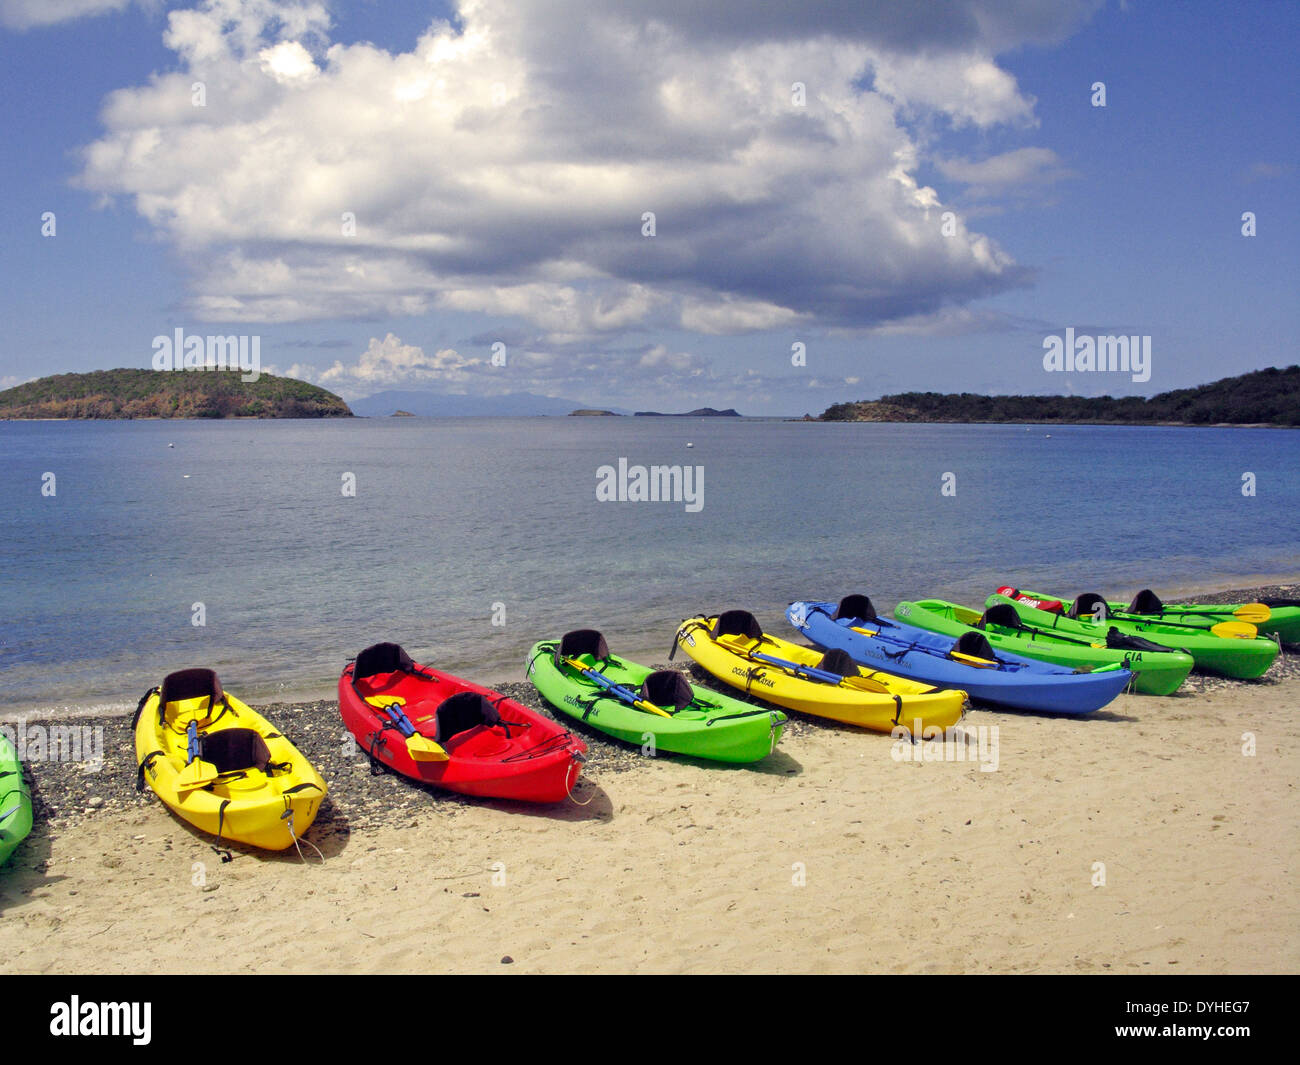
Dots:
{"x": 453, "y": 516}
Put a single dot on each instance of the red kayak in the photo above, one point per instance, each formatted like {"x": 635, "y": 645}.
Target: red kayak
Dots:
{"x": 441, "y": 730}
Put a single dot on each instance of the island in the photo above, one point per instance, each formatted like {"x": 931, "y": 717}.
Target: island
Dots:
{"x": 128, "y": 393}
{"x": 1269, "y": 397}
{"x": 592, "y": 414}
{"x": 701, "y": 412}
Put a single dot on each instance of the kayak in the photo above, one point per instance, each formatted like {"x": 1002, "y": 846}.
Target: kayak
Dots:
{"x": 699, "y": 722}
{"x": 442, "y": 730}
{"x": 1233, "y": 650}
{"x": 15, "y": 801}
{"x": 221, "y": 766}
{"x": 967, "y": 662}
{"x": 1156, "y": 670}
{"x": 733, "y": 648}
{"x": 1272, "y": 617}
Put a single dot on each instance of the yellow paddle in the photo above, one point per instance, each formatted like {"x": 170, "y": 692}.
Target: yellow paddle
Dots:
{"x": 981, "y": 663}
{"x": 420, "y": 747}
{"x": 1235, "y": 630}
{"x": 626, "y": 694}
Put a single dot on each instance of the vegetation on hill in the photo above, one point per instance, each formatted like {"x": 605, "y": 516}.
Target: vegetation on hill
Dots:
{"x": 1267, "y": 397}
{"x": 162, "y": 394}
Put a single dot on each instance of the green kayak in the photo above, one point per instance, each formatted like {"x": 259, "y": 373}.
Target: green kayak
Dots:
{"x": 1234, "y": 650}
{"x": 601, "y": 689}
{"x": 1272, "y": 617}
{"x": 15, "y": 801}
{"x": 1157, "y": 670}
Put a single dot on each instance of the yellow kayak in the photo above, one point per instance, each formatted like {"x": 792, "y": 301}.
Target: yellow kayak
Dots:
{"x": 221, "y": 766}
{"x": 733, "y": 647}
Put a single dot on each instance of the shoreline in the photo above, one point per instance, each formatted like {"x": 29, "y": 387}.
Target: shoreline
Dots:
{"x": 831, "y": 855}
{"x": 1209, "y": 590}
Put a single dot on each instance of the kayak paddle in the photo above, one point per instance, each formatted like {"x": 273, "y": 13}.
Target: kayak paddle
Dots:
{"x": 197, "y": 773}
{"x": 626, "y": 694}
{"x": 421, "y": 748}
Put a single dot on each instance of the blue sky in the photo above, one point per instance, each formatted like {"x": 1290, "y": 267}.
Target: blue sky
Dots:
{"x": 498, "y": 158}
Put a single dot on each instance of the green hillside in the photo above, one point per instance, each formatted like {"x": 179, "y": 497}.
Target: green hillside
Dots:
{"x": 161, "y": 394}
{"x": 1265, "y": 397}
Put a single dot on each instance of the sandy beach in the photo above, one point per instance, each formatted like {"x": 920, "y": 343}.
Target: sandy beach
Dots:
{"x": 1143, "y": 839}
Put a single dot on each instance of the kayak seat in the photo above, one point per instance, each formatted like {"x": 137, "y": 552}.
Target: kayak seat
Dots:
{"x": 1118, "y": 641}
{"x": 381, "y": 658}
{"x": 1003, "y": 614}
{"x": 462, "y": 712}
{"x": 667, "y": 687}
{"x": 189, "y": 684}
{"x": 839, "y": 662}
{"x": 855, "y": 606}
{"x": 232, "y": 749}
{"x": 1146, "y": 602}
{"x": 582, "y": 642}
{"x": 737, "y": 623}
{"x": 974, "y": 644}
{"x": 1087, "y": 604}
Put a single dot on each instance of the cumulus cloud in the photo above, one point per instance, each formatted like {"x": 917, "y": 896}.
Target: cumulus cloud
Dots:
{"x": 506, "y": 164}
{"x": 390, "y": 361}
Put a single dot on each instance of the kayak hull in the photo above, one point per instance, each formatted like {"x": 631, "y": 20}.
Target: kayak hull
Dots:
{"x": 883, "y": 703}
{"x": 1240, "y": 658}
{"x": 1154, "y": 673}
{"x": 269, "y": 808}
{"x": 15, "y": 801}
{"x": 526, "y": 758}
{"x": 1283, "y": 622}
{"x": 1016, "y": 683}
{"x": 715, "y": 727}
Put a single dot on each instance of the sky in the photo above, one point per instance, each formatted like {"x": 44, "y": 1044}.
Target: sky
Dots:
{"x": 655, "y": 203}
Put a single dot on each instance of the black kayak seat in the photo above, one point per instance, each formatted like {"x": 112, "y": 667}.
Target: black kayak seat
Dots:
{"x": 1087, "y": 604}
{"x": 191, "y": 684}
{"x": 381, "y": 658}
{"x": 974, "y": 644}
{"x": 462, "y": 712}
{"x": 1003, "y": 614}
{"x": 1119, "y": 641}
{"x": 583, "y": 642}
{"x": 839, "y": 662}
{"x": 737, "y": 623}
{"x": 232, "y": 749}
{"x": 667, "y": 687}
{"x": 855, "y": 606}
{"x": 1146, "y": 602}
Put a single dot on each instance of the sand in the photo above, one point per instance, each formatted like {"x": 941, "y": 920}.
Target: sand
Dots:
{"x": 1141, "y": 839}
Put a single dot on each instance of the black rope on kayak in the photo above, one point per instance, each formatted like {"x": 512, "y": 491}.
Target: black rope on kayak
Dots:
{"x": 898, "y": 714}
{"x": 145, "y": 764}
{"x": 222, "y": 853}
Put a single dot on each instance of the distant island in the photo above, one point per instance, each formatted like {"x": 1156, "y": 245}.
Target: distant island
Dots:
{"x": 162, "y": 394}
{"x": 1264, "y": 397}
{"x": 592, "y": 414}
{"x": 701, "y": 412}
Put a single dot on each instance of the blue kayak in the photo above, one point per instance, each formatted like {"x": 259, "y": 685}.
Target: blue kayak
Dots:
{"x": 968, "y": 662}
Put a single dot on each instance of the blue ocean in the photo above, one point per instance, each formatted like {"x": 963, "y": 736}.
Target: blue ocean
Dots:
{"x": 273, "y": 551}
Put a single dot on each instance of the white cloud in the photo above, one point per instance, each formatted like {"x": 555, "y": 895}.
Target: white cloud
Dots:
{"x": 390, "y": 361}
{"x": 1019, "y": 169}
{"x": 26, "y": 14}
{"x": 496, "y": 169}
